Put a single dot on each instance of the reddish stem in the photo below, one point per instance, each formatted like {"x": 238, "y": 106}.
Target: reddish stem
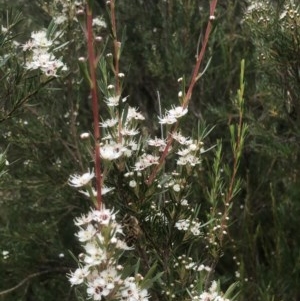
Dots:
{"x": 116, "y": 60}
{"x": 188, "y": 95}
{"x": 95, "y": 105}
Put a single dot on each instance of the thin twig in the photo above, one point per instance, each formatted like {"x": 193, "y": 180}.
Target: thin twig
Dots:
{"x": 34, "y": 275}
{"x": 187, "y": 96}
{"x": 95, "y": 105}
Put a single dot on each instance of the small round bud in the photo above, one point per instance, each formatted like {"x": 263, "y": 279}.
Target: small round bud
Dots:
{"x": 84, "y": 136}
{"x": 212, "y": 18}
{"x": 132, "y": 184}
{"x": 80, "y": 12}
{"x": 98, "y": 39}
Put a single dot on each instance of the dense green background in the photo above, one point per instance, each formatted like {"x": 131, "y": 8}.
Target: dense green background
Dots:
{"x": 37, "y": 206}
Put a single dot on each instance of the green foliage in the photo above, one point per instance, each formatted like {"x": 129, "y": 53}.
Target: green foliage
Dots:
{"x": 41, "y": 122}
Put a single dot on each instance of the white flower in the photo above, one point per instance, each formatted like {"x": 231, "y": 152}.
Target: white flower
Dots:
{"x": 46, "y": 62}
{"x": 109, "y": 123}
{"x": 60, "y": 19}
{"x": 121, "y": 244}
{"x": 181, "y": 139}
{"x": 78, "y": 276}
{"x": 167, "y": 119}
{"x": 176, "y": 187}
{"x": 189, "y": 159}
{"x": 184, "y": 202}
{"x": 282, "y": 15}
{"x": 193, "y": 147}
{"x": 183, "y": 152}
{"x": 129, "y": 132}
{"x": 182, "y": 224}
{"x": 86, "y": 234}
{"x": 84, "y": 219}
{"x": 79, "y": 181}
{"x": 111, "y": 277}
{"x": 157, "y": 142}
{"x": 5, "y": 254}
{"x": 195, "y": 228}
{"x": 182, "y": 161}
{"x": 133, "y": 145}
{"x": 111, "y": 152}
{"x": 40, "y": 39}
{"x": 145, "y": 161}
{"x": 177, "y": 112}
{"x": 4, "y": 29}
{"x": 134, "y": 114}
{"x": 113, "y": 101}
{"x": 103, "y": 216}
{"x": 132, "y": 292}
{"x": 104, "y": 190}
{"x": 97, "y": 289}
{"x": 95, "y": 256}
{"x": 99, "y": 22}
{"x": 212, "y": 294}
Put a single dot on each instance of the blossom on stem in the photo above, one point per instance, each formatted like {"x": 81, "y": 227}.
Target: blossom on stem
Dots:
{"x": 111, "y": 151}
{"x": 86, "y": 234}
{"x": 108, "y": 123}
{"x": 212, "y": 294}
{"x": 79, "y": 181}
{"x": 113, "y": 101}
{"x": 132, "y": 292}
{"x": 183, "y": 224}
{"x": 78, "y": 276}
{"x": 181, "y": 139}
{"x": 134, "y": 114}
{"x": 99, "y": 22}
{"x": 104, "y": 190}
{"x": 42, "y": 58}
{"x": 157, "y": 142}
{"x": 129, "y": 132}
{"x": 167, "y": 119}
{"x": 177, "y": 112}
{"x": 145, "y": 161}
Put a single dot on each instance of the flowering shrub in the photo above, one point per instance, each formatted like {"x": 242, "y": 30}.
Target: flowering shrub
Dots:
{"x": 146, "y": 235}
{"x": 149, "y": 181}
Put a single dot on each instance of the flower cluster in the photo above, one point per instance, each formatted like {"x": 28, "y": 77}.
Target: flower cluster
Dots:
{"x": 173, "y": 115}
{"x": 264, "y": 13}
{"x": 211, "y": 295}
{"x": 41, "y": 55}
{"x": 118, "y": 138}
{"x": 187, "y": 225}
{"x": 189, "y": 264}
{"x": 100, "y": 271}
{"x": 190, "y": 275}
